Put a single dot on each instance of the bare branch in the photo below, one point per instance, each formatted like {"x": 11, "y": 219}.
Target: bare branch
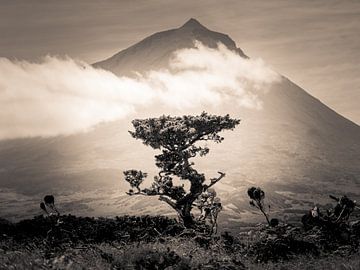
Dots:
{"x": 138, "y": 193}
{"x": 215, "y": 180}
{"x": 144, "y": 194}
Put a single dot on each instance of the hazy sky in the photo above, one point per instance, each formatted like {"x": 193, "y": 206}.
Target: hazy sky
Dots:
{"x": 316, "y": 43}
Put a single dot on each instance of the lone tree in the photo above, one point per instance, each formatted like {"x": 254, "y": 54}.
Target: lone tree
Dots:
{"x": 177, "y": 138}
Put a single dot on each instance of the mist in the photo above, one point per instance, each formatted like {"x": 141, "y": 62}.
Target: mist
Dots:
{"x": 61, "y": 95}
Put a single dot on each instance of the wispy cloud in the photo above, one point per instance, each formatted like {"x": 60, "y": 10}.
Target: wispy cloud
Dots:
{"x": 63, "y": 96}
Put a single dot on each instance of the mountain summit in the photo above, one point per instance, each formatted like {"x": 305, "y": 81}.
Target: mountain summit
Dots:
{"x": 193, "y": 24}
{"x": 156, "y": 50}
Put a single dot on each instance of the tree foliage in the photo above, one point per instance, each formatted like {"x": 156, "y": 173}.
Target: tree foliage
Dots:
{"x": 177, "y": 138}
{"x": 134, "y": 178}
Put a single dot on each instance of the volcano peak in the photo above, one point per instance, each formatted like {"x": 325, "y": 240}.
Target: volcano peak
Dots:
{"x": 193, "y": 24}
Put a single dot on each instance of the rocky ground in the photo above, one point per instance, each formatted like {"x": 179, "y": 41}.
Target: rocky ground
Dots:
{"x": 155, "y": 242}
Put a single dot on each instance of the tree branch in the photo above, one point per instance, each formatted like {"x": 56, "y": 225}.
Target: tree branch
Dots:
{"x": 167, "y": 200}
{"x": 215, "y": 180}
{"x": 171, "y": 203}
{"x": 144, "y": 194}
{"x": 190, "y": 143}
{"x": 140, "y": 193}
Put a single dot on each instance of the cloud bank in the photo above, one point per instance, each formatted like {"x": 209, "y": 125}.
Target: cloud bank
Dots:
{"x": 64, "y": 96}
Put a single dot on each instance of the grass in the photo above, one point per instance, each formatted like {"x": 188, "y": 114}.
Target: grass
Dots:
{"x": 179, "y": 254}
{"x": 100, "y": 244}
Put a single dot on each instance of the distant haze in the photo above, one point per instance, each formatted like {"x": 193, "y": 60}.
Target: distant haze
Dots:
{"x": 314, "y": 43}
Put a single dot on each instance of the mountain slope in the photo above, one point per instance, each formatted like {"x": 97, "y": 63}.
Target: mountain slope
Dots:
{"x": 296, "y": 147}
{"x": 287, "y": 106}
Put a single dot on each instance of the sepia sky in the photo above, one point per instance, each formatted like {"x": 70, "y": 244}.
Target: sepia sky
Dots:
{"x": 316, "y": 43}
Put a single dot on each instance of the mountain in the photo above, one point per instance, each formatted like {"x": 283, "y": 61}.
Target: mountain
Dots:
{"x": 156, "y": 50}
{"x": 296, "y": 147}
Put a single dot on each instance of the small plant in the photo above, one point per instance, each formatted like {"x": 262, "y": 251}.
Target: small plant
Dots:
{"x": 343, "y": 208}
{"x": 48, "y": 206}
{"x": 336, "y": 217}
{"x": 257, "y": 196}
{"x": 43, "y": 207}
{"x": 210, "y": 206}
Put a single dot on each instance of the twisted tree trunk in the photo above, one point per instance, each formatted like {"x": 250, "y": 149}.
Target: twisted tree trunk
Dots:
{"x": 186, "y": 203}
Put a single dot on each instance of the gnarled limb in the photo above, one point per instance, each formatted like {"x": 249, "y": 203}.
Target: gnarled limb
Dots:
{"x": 168, "y": 201}
{"x": 136, "y": 193}
{"x": 171, "y": 203}
{"x": 140, "y": 192}
{"x": 213, "y": 181}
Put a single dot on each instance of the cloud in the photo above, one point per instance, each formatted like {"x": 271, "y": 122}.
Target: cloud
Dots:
{"x": 204, "y": 75}
{"x": 63, "y": 96}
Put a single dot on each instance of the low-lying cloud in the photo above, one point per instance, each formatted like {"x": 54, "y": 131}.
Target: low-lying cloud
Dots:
{"x": 63, "y": 96}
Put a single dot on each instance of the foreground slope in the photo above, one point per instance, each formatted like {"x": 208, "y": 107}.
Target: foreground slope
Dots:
{"x": 155, "y": 242}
